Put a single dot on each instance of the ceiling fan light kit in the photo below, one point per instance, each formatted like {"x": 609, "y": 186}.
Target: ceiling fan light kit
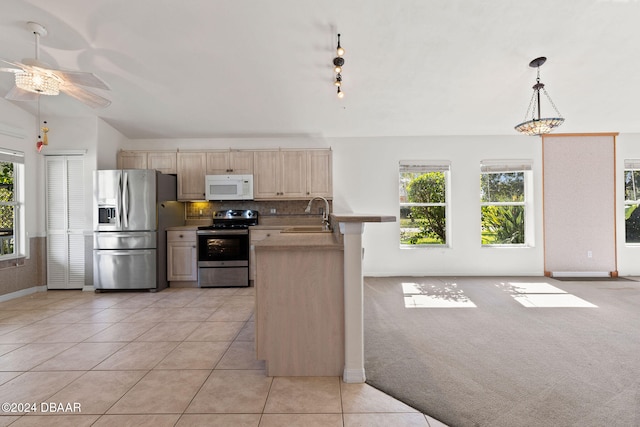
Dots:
{"x": 33, "y": 78}
{"x": 38, "y": 83}
{"x": 539, "y": 125}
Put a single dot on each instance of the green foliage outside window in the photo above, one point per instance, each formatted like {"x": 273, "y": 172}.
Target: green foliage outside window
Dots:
{"x": 502, "y": 195}
{"x": 6, "y": 211}
{"x": 425, "y": 224}
{"x": 631, "y": 211}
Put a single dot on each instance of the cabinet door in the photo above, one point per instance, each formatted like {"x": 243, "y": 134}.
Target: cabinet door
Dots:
{"x": 218, "y": 163}
{"x": 319, "y": 173}
{"x": 163, "y": 162}
{"x": 191, "y": 171}
{"x": 182, "y": 262}
{"x": 241, "y": 162}
{"x": 132, "y": 160}
{"x": 293, "y": 175}
{"x": 265, "y": 175}
{"x": 182, "y": 256}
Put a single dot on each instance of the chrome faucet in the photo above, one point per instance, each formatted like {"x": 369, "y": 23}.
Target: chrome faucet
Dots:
{"x": 325, "y": 214}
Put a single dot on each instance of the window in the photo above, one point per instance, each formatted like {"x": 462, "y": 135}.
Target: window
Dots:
{"x": 503, "y": 202}
{"x": 632, "y": 200}
{"x": 11, "y": 233}
{"x": 423, "y": 203}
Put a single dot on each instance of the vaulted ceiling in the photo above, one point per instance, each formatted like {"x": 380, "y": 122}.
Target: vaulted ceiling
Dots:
{"x": 238, "y": 68}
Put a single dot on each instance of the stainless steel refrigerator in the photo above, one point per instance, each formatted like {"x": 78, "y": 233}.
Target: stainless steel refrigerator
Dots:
{"x": 132, "y": 209}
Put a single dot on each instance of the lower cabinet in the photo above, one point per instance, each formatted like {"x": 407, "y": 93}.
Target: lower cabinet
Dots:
{"x": 182, "y": 257}
{"x": 299, "y": 316}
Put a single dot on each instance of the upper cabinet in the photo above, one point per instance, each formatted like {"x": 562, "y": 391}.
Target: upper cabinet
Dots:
{"x": 132, "y": 160}
{"x": 229, "y": 162}
{"x": 163, "y": 161}
{"x": 278, "y": 174}
{"x": 292, "y": 174}
{"x": 319, "y": 173}
{"x": 192, "y": 168}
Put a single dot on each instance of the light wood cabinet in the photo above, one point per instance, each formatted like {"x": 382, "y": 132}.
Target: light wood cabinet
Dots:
{"x": 192, "y": 167}
{"x": 163, "y": 161}
{"x": 280, "y": 174}
{"x": 132, "y": 160}
{"x": 320, "y": 173}
{"x": 257, "y": 236}
{"x": 306, "y": 339}
{"x": 182, "y": 257}
{"x": 230, "y": 162}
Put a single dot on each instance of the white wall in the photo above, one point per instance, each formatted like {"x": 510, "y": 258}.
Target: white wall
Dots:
{"x": 107, "y": 146}
{"x": 18, "y": 131}
{"x": 366, "y": 180}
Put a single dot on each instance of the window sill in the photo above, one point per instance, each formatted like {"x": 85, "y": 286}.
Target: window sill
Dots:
{"x": 508, "y": 246}
{"x": 425, "y": 247}
{"x": 12, "y": 262}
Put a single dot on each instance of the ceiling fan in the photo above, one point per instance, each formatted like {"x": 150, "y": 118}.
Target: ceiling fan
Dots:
{"x": 34, "y": 78}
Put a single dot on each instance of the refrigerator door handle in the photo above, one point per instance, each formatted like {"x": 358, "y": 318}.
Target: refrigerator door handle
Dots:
{"x": 119, "y": 205}
{"x": 125, "y": 199}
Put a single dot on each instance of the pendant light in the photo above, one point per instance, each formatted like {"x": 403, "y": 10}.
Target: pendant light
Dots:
{"x": 539, "y": 125}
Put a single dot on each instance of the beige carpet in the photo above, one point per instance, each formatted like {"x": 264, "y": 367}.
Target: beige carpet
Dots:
{"x": 479, "y": 351}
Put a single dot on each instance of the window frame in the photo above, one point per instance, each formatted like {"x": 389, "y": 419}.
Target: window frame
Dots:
{"x": 19, "y": 234}
{"x": 630, "y": 165}
{"x": 426, "y": 166}
{"x": 509, "y": 166}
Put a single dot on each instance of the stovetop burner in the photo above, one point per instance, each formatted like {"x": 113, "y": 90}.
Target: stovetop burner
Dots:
{"x": 232, "y": 218}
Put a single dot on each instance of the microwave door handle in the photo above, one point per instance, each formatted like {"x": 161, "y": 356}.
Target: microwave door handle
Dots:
{"x": 125, "y": 199}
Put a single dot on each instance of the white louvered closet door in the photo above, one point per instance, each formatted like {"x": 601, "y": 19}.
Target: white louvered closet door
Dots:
{"x": 65, "y": 222}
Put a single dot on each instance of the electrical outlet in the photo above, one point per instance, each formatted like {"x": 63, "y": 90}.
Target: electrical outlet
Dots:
{"x": 589, "y": 254}
{"x": 273, "y": 210}
{"x": 200, "y": 212}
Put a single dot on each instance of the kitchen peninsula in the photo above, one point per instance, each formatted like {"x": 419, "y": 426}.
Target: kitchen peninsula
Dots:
{"x": 309, "y": 300}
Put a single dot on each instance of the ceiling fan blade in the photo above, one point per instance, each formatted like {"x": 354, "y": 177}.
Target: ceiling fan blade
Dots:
{"x": 84, "y": 96}
{"x": 81, "y": 78}
{"x": 17, "y": 94}
{"x": 13, "y": 63}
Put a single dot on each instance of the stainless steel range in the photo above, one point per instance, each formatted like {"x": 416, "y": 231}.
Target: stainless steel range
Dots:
{"x": 223, "y": 249}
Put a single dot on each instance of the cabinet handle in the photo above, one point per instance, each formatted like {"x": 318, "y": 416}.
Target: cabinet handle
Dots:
{"x": 193, "y": 246}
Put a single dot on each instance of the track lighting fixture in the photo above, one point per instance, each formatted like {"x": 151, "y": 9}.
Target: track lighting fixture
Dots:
{"x": 338, "y": 62}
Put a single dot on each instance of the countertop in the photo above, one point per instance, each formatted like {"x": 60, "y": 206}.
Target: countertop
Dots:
{"x": 300, "y": 241}
{"x": 360, "y": 217}
{"x": 183, "y": 228}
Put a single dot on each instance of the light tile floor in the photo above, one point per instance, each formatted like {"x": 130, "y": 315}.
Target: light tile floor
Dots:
{"x": 180, "y": 357}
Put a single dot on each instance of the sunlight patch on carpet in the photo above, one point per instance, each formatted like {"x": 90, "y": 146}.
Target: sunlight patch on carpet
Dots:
{"x": 445, "y": 295}
{"x": 552, "y": 300}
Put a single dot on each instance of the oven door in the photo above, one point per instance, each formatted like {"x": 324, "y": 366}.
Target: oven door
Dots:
{"x": 223, "y": 246}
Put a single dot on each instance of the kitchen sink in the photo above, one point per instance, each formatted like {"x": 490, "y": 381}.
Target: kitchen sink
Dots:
{"x": 307, "y": 229}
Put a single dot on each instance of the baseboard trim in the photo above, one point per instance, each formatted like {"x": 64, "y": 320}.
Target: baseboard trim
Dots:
{"x": 580, "y": 274}
{"x": 353, "y": 376}
{"x": 88, "y": 288}
{"x": 22, "y": 293}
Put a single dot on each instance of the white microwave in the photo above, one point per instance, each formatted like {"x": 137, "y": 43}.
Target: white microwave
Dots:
{"x": 229, "y": 187}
